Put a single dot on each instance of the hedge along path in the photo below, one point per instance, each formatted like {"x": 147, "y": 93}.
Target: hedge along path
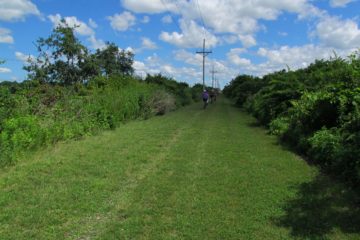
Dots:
{"x": 192, "y": 174}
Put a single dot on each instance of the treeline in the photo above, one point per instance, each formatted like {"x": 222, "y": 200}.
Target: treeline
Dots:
{"x": 71, "y": 92}
{"x": 315, "y": 110}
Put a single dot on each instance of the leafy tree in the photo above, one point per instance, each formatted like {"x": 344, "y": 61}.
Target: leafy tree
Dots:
{"x": 113, "y": 61}
{"x": 243, "y": 87}
{"x": 62, "y": 58}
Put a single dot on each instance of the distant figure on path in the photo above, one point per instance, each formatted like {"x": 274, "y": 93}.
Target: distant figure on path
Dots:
{"x": 212, "y": 95}
{"x": 205, "y": 97}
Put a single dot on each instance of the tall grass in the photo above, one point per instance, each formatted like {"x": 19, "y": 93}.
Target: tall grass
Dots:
{"x": 45, "y": 114}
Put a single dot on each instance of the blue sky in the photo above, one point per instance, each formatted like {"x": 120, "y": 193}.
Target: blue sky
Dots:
{"x": 245, "y": 36}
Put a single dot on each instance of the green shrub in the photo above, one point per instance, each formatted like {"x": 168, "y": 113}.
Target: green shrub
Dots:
{"x": 325, "y": 147}
{"x": 62, "y": 113}
{"x": 196, "y": 92}
{"x": 19, "y": 134}
{"x": 279, "y": 126}
{"x": 316, "y": 110}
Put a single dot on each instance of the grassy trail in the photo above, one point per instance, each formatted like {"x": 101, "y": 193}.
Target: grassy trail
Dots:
{"x": 193, "y": 174}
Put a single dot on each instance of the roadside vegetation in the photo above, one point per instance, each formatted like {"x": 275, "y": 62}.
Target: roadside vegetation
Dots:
{"x": 191, "y": 174}
{"x": 315, "y": 110}
{"x": 71, "y": 92}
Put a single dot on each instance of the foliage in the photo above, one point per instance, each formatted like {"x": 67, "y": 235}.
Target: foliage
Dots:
{"x": 183, "y": 94}
{"x": 60, "y": 57}
{"x": 196, "y": 92}
{"x": 18, "y": 134}
{"x": 71, "y": 92}
{"x": 113, "y": 61}
{"x": 242, "y": 87}
{"x": 279, "y": 126}
{"x": 64, "y": 60}
{"x": 325, "y": 147}
{"x": 35, "y": 114}
{"x": 315, "y": 110}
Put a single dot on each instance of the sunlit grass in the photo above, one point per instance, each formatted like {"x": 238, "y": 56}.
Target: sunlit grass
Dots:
{"x": 192, "y": 174}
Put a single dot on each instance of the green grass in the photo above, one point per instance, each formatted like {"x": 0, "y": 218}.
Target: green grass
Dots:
{"x": 192, "y": 174}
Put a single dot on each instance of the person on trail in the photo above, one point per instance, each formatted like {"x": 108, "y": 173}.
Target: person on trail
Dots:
{"x": 212, "y": 96}
{"x": 205, "y": 97}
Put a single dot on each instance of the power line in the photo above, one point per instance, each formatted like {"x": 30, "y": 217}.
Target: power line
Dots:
{"x": 168, "y": 10}
{"x": 201, "y": 17}
{"x": 177, "y": 6}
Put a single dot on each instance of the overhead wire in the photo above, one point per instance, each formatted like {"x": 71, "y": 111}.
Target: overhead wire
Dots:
{"x": 198, "y": 10}
{"x": 201, "y": 17}
{"x": 168, "y": 10}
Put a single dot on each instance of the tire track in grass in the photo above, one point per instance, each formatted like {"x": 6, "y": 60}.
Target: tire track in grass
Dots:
{"x": 209, "y": 187}
{"x": 144, "y": 215}
{"x": 120, "y": 200}
{"x": 193, "y": 174}
{"x": 71, "y": 185}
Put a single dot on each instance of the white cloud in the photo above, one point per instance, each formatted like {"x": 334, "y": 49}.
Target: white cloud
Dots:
{"x": 247, "y": 40}
{"x": 129, "y": 49}
{"x": 80, "y": 27}
{"x": 23, "y": 57}
{"x": 337, "y": 33}
{"x": 5, "y": 70}
{"x": 194, "y": 74}
{"x": 223, "y": 17}
{"x": 145, "y": 19}
{"x": 148, "y": 44}
{"x": 278, "y": 58}
{"x": 5, "y": 36}
{"x": 339, "y": 3}
{"x": 139, "y": 66}
{"x": 188, "y": 57}
{"x": 92, "y": 23}
{"x": 154, "y": 65}
{"x": 122, "y": 22}
{"x": 229, "y": 39}
{"x": 234, "y": 57}
{"x": 285, "y": 55}
{"x": 96, "y": 43}
{"x": 167, "y": 19}
{"x": 190, "y": 37}
{"x": 145, "y": 6}
{"x": 14, "y": 10}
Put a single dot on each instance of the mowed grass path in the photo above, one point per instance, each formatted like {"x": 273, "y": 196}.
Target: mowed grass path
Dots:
{"x": 192, "y": 174}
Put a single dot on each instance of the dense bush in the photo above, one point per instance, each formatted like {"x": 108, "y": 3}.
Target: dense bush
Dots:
{"x": 182, "y": 92}
{"x": 316, "y": 110}
{"x": 196, "y": 92}
{"x": 71, "y": 92}
{"x": 41, "y": 114}
{"x": 19, "y": 134}
{"x": 242, "y": 88}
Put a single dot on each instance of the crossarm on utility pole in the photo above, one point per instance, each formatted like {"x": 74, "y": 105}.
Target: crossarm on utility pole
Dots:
{"x": 204, "y": 54}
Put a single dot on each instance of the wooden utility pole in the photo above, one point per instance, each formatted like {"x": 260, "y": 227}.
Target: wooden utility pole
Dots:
{"x": 217, "y": 84}
{"x": 204, "y": 54}
{"x": 213, "y": 76}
